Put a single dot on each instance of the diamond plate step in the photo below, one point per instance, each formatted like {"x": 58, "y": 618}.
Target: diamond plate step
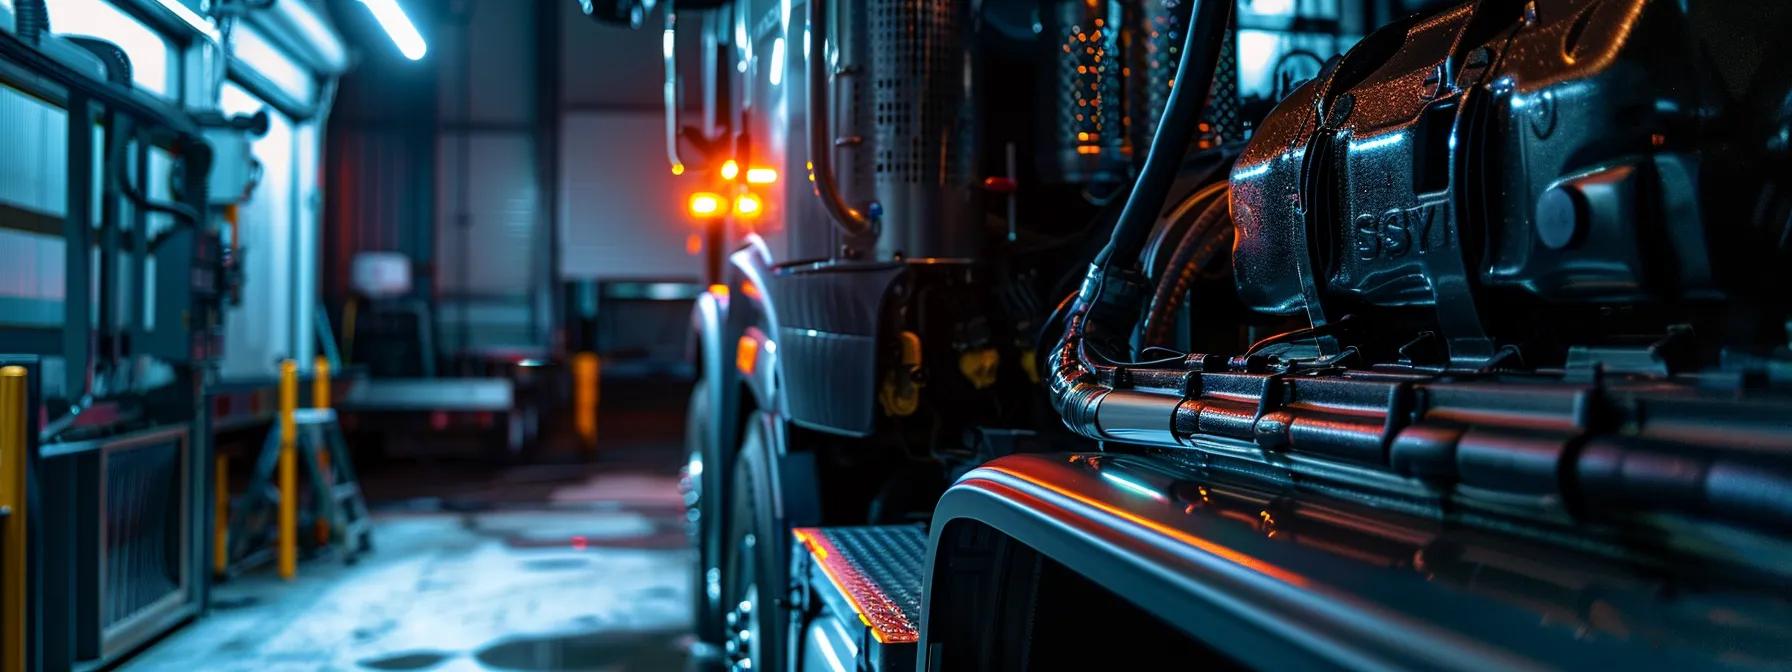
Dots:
{"x": 870, "y": 579}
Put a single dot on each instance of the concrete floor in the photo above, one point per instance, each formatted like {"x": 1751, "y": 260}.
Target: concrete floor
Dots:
{"x": 583, "y": 586}
{"x": 572, "y": 566}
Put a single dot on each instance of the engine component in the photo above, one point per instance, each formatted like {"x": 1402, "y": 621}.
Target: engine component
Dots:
{"x": 1487, "y": 161}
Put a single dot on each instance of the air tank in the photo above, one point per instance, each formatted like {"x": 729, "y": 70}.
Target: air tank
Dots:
{"x": 912, "y": 119}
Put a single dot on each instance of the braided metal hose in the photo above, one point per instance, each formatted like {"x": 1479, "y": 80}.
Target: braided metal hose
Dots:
{"x": 1211, "y": 232}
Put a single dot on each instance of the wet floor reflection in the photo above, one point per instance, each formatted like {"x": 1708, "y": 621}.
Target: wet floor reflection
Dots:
{"x": 598, "y": 650}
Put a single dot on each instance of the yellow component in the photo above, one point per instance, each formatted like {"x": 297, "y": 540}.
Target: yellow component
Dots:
{"x": 730, "y": 169}
{"x": 900, "y": 393}
{"x": 221, "y": 517}
{"x": 1029, "y": 365}
{"x": 911, "y": 349}
{"x": 13, "y": 412}
{"x": 320, "y": 382}
{"x": 980, "y": 366}
{"x": 320, "y": 398}
{"x": 289, "y": 470}
{"x": 677, "y": 169}
{"x": 586, "y": 369}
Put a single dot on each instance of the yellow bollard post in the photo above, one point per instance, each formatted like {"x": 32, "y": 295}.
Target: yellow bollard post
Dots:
{"x": 13, "y": 440}
{"x": 584, "y": 397}
{"x": 320, "y": 382}
{"x": 221, "y": 519}
{"x": 289, "y": 471}
{"x": 320, "y": 399}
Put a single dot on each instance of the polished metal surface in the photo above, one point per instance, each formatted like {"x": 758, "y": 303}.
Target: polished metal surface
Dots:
{"x": 1299, "y": 582}
{"x": 921, "y": 91}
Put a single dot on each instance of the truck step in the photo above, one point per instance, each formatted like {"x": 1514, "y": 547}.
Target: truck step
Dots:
{"x": 868, "y": 579}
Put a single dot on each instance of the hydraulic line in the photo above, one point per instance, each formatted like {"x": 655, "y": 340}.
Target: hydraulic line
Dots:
{"x": 1211, "y": 231}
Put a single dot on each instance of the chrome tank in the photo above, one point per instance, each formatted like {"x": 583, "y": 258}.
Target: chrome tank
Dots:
{"x": 1085, "y": 130}
{"x": 912, "y": 144}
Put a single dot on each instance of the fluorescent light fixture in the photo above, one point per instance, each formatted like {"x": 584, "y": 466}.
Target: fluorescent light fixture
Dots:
{"x": 777, "y": 71}
{"x": 398, "y": 27}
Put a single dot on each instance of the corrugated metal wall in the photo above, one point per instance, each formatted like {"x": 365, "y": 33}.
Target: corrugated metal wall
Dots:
{"x": 379, "y": 190}
{"x": 379, "y": 162}
{"x": 490, "y": 251}
{"x": 607, "y": 67}
{"x": 33, "y": 198}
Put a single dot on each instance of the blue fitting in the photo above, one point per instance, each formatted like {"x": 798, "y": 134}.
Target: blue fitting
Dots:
{"x": 876, "y": 210}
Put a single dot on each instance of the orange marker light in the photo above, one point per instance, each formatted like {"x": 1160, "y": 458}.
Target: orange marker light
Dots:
{"x": 720, "y": 291}
{"x": 730, "y": 169}
{"x": 677, "y": 169}
{"x": 693, "y": 244}
{"x": 761, "y": 176}
{"x": 748, "y": 205}
{"x": 705, "y": 204}
{"x": 746, "y": 354}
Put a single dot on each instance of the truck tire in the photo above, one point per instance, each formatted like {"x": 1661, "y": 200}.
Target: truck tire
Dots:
{"x": 703, "y": 516}
{"x": 755, "y": 586}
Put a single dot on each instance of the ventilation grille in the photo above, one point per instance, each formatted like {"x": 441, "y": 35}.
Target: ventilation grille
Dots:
{"x": 1089, "y": 138}
{"x": 143, "y": 528}
{"x": 918, "y": 88}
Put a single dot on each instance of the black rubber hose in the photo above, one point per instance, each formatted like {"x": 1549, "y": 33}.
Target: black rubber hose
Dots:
{"x": 1211, "y": 231}
{"x": 134, "y": 193}
{"x": 1076, "y": 390}
{"x": 1188, "y": 100}
{"x": 118, "y": 63}
{"x": 148, "y": 110}
{"x": 31, "y": 20}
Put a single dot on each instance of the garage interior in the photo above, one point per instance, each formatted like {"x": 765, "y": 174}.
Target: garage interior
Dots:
{"x": 861, "y": 336}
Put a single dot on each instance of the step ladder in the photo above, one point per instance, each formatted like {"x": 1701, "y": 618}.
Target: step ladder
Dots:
{"x": 868, "y": 579}
{"x": 337, "y": 509}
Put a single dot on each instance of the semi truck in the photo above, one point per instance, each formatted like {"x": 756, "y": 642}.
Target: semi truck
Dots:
{"x": 1113, "y": 334}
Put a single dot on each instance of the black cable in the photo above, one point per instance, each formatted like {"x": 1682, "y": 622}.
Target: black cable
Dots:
{"x": 1327, "y": 329}
{"x": 134, "y": 193}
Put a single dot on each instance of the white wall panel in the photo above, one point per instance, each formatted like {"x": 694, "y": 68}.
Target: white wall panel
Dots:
{"x": 621, "y": 209}
{"x": 258, "y": 333}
